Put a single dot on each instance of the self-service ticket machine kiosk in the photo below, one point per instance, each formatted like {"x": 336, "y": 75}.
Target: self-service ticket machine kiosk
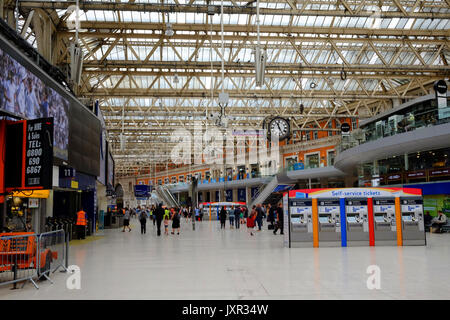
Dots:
{"x": 329, "y": 222}
{"x": 357, "y": 222}
{"x": 384, "y": 222}
{"x": 413, "y": 230}
{"x": 300, "y": 223}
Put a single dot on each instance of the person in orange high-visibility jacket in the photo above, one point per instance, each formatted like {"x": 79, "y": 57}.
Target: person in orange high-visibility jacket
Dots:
{"x": 81, "y": 224}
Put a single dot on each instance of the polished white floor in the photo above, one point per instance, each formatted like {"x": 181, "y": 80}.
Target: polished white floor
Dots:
{"x": 210, "y": 263}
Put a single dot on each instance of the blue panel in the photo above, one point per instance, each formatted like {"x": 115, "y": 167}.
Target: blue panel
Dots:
{"x": 343, "y": 223}
{"x": 253, "y": 193}
{"x": 299, "y": 166}
{"x": 432, "y": 188}
{"x": 229, "y": 195}
{"x": 241, "y": 195}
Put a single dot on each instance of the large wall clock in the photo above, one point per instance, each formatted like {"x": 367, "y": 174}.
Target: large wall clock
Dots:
{"x": 279, "y": 127}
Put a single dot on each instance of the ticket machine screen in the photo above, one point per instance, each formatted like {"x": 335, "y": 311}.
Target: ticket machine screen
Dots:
{"x": 407, "y": 217}
{"x": 351, "y": 219}
{"x": 323, "y": 219}
{"x": 295, "y": 219}
{"x": 379, "y": 218}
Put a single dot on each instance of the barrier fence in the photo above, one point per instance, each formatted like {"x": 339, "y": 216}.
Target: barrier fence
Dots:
{"x": 26, "y": 256}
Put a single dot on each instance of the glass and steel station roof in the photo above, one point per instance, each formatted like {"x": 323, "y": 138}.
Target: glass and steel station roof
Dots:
{"x": 155, "y": 66}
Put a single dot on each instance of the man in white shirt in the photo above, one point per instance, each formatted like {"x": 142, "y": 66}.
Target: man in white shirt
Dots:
{"x": 32, "y": 104}
{"x": 439, "y": 221}
{"x": 9, "y": 92}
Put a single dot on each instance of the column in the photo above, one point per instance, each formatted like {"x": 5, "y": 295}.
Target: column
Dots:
{"x": 406, "y": 162}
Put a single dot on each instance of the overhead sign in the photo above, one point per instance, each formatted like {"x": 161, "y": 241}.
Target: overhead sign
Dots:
{"x": 67, "y": 172}
{"x": 142, "y": 191}
{"x": 39, "y": 153}
{"x": 440, "y": 87}
{"x": 345, "y": 129}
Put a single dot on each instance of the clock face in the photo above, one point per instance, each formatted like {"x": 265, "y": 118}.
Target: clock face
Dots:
{"x": 279, "y": 127}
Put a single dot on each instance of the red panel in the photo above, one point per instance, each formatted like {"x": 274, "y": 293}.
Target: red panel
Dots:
{"x": 371, "y": 222}
{"x": 2, "y": 158}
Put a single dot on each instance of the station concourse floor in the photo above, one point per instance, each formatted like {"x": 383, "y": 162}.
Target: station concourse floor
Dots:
{"x": 210, "y": 263}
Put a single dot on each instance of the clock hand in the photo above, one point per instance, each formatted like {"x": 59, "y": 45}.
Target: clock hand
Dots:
{"x": 279, "y": 128}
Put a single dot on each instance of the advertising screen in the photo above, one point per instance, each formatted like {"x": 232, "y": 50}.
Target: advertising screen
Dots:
{"x": 110, "y": 169}
{"x": 24, "y": 94}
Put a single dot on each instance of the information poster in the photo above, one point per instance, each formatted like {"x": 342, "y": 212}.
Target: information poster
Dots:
{"x": 39, "y": 153}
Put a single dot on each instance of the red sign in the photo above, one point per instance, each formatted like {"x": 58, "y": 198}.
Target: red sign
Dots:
{"x": 439, "y": 172}
{"x": 416, "y": 174}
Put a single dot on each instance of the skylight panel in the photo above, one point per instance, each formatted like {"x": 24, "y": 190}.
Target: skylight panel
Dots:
{"x": 409, "y": 24}
{"x": 393, "y": 23}
{"x": 155, "y": 17}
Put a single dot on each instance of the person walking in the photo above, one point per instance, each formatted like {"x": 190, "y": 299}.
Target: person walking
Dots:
{"x": 271, "y": 217}
{"x": 197, "y": 214}
{"x": 166, "y": 225}
{"x": 175, "y": 221}
{"x": 259, "y": 216}
{"x": 159, "y": 214}
{"x": 231, "y": 217}
{"x": 126, "y": 220}
{"x": 143, "y": 220}
{"x": 245, "y": 212}
{"x": 251, "y": 221}
{"x": 280, "y": 219}
{"x": 152, "y": 215}
{"x": 237, "y": 217}
{"x": 223, "y": 217}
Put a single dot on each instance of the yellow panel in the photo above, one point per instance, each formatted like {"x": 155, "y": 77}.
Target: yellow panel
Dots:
{"x": 43, "y": 194}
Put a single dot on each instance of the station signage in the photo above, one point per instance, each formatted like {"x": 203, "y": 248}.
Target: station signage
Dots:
{"x": 416, "y": 174}
{"x": 142, "y": 191}
{"x": 345, "y": 129}
{"x": 439, "y": 172}
{"x": 394, "y": 177}
{"x": 67, "y": 172}
{"x": 39, "y": 153}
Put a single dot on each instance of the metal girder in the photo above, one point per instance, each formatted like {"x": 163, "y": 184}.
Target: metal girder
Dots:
{"x": 157, "y": 34}
{"x": 169, "y": 8}
{"x": 196, "y": 93}
{"x": 97, "y": 26}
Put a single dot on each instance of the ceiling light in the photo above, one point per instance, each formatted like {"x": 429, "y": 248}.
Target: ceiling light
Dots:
{"x": 169, "y": 31}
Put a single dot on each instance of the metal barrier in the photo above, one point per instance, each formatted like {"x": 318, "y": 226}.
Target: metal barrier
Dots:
{"x": 26, "y": 256}
{"x": 52, "y": 248}
{"x": 18, "y": 258}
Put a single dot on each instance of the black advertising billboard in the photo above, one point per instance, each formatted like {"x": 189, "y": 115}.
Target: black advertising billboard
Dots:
{"x": 39, "y": 153}
{"x": 29, "y": 154}
{"x": 27, "y": 96}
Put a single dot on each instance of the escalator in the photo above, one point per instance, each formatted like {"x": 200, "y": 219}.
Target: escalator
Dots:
{"x": 273, "y": 191}
{"x": 166, "y": 196}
